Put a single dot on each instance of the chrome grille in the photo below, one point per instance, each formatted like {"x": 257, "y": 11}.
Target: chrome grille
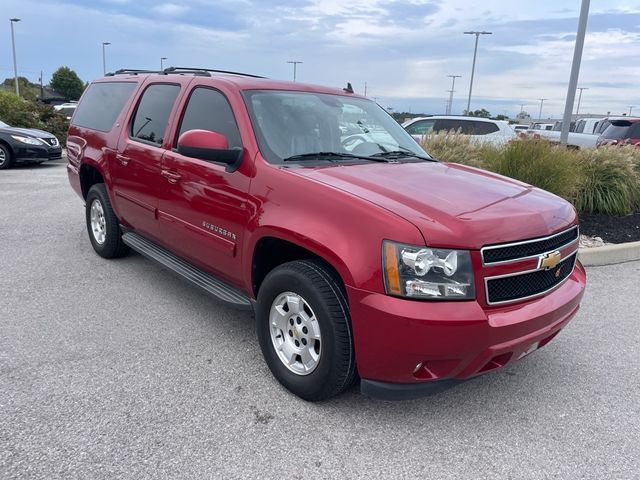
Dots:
{"x": 528, "y": 248}
{"x": 50, "y": 141}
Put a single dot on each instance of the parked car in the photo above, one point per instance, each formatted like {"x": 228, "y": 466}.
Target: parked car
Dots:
{"x": 541, "y": 126}
{"x": 26, "y": 145}
{"x": 621, "y": 132}
{"x": 604, "y": 123}
{"x": 575, "y": 139}
{"x": 588, "y": 125}
{"x": 359, "y": 254}
{"x": 496, "y": 132}
{"x": 520, "y": 128}
{"x": 66, "y": 109}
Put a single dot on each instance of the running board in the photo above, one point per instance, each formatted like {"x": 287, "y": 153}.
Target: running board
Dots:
{"x": 197, "y": 277}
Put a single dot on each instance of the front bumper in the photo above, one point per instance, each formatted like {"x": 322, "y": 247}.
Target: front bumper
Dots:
{"x": 409, "y": 343}
{"x": 36, "y": 153}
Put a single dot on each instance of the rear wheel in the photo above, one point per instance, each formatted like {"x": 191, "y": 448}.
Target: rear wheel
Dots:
{"x": 304, "y": 330}
{"x": 6, "y": 157}
{"x": 102, "y": 224}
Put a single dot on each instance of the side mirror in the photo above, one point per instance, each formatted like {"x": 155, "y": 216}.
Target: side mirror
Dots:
{"x": 209, "y": 146}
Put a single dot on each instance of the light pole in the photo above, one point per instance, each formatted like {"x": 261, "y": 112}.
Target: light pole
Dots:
{"x": 630, "y": 109}
{"x": 579, "y": 99}
{"x": 162, "y": 59}
{"x": 541, "y": 102}
{"x": 575, "y": 71}
{"x": 104, "y": 61}
{"x": 13, "y": 45}
{"x": 473, "y": 66}
{"x": 295, "y": 64}
{"x": 453, "y": 84}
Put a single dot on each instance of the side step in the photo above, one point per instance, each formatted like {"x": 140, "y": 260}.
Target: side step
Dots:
{"x": 199, "y": 278}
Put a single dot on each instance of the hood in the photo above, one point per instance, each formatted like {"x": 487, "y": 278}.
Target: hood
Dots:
{"x": 26, "y": 132}
{"x": 453, "y": 205}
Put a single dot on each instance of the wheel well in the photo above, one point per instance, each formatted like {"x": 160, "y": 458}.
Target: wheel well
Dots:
{"x": 89, "y": 176}
{"x": 8, "y": 147}
{"x": 271, "y": 252}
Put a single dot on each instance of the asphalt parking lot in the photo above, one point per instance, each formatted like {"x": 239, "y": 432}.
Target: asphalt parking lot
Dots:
{"x": 117, "y": 369}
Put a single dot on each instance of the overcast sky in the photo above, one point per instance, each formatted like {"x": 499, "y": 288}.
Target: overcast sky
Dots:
{"x": 403, "y": 50}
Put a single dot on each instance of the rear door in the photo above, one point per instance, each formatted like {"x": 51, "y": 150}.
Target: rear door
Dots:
{"x": 136, "y": 167}
{"x": 204, "y": 209}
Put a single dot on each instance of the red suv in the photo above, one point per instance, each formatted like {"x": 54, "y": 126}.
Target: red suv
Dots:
{"x": 621, "y": 132}
{"x": 360, "y": 255}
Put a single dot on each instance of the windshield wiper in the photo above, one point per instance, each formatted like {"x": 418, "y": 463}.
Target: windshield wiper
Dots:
{"x": 330, "y": 157}
{"x": 396, "y": 154}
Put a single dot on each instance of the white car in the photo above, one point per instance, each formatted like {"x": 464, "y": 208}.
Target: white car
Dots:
{"x": 479, "y": 130}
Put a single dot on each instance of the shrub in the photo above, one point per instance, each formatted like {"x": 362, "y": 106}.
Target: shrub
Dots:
{"x": 539, "y": 163}
{"x": 455, "y": 147}
{"x": 611, "y": 182}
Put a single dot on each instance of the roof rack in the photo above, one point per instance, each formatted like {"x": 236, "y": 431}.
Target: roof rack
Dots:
{"x": 195, "y": 70}
{"x": 205, "y": 72}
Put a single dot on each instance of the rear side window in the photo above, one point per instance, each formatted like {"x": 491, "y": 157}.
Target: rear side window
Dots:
{"x": 421, "y": 127}
{"x": 485, "y": 128}
{"x": 152, "y": 115}
{"x": 617, "y": 129}
{"x": 209, "y": 110}
{"x": 466, "y": 127}
{"x": 101, "y": 104}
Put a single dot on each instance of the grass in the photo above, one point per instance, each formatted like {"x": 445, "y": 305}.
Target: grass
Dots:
{"x": 604, "y": 180}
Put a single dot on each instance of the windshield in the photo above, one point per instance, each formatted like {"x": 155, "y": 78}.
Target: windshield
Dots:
{"x": 3, "y": 125}
{"x": 289, "y": 124}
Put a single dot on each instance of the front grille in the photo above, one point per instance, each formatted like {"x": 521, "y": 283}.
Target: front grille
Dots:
{"x": 50, "y": 141}
{"x": 529, "y": 284}
{"x": 528, "y": 248}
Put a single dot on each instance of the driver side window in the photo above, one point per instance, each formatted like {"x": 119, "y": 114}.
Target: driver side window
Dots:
{"x": 209, "y": 109}
{"x": 423, "y": 127}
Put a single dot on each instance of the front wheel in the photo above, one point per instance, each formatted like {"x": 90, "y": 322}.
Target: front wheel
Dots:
{"x": 304, "y": 330}
{"x": 6, "y": 157}
{"x": 102, "y": 224}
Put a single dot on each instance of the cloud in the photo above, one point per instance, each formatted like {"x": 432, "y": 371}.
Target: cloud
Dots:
{"x": 171, "y": 9}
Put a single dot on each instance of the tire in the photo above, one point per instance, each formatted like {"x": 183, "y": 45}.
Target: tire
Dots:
{"x": 6, "y": 157}
{"x": 323, "y": 321}
{"x": 106, "y": 237}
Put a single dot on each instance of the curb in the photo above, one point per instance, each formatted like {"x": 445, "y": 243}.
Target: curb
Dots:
{"x": 609, "y": 254}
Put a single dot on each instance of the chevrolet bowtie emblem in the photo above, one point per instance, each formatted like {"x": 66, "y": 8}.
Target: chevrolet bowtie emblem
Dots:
{"x": 549, "y": 260}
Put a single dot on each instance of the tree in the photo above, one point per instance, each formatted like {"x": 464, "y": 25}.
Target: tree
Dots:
{"x": 478, "y": 113}
{"x": 28, "y": 90}
{"x": 501, "y": 117}
{"x": 67, "y": 83}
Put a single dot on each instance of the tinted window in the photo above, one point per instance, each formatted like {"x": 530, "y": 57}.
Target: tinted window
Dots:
{"x": 485, "y": 128}
{"x": 635, "y": 131}
{"x": 617, "y": 129}
{"x": 580, "y": 126}
{"x": 422, "y": 127}
{"x": 101, "y": 104}
{"x": 465, "y": 127}
{"x": 209, "y": 110}
{"x": 151, "y": 117}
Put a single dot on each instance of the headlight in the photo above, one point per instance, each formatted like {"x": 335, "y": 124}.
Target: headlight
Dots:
{"x": 427, "y": 273}
{"x": 27, "y": 140}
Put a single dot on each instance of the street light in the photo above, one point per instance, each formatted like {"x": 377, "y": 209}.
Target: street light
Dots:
{"x": 162, "y": 59}
{"x": 453, "y": 84}
{"x": 13, "y": 45}
{"x": 579, "y": 99}
{"x": 473, "y": 67}
{"x": 104, "y": 61}
{"x": 630, "y": 109}
{"x": 541, "y": 102}
{"x": 295, "y": 64}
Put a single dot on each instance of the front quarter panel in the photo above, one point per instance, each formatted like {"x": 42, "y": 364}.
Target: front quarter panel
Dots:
{"x": 341, "y": 228}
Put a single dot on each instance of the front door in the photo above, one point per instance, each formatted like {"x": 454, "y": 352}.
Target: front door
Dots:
{"x": 136, "y": 166}
{"x": 203, "y": 210}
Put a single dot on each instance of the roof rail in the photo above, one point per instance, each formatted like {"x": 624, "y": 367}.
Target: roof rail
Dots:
{"x": 194, "y": 70}
{"x": 179, "y": 71}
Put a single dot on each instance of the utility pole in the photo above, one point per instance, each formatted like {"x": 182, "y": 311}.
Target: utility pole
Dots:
{"x": 295, "y": 64}
{"x": 473, "y": 66}
{"x": 162, "y": 59}
{"x": 41, "y": 87}
{"x": 541, "y": 102}
{"x": 575, "y": 71}
{"x": 365, "y": 89}
{"x": 579, "y": 99}
{"x": 104, "y": 61}
{"x": 453, "y": 84}
{"x": 630, "y": 109}
{"x": 13, "y": 45}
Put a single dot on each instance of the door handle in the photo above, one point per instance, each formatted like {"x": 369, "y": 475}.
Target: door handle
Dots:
{"x": 171, "y": 176}
{"x": 123, "y": 159}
